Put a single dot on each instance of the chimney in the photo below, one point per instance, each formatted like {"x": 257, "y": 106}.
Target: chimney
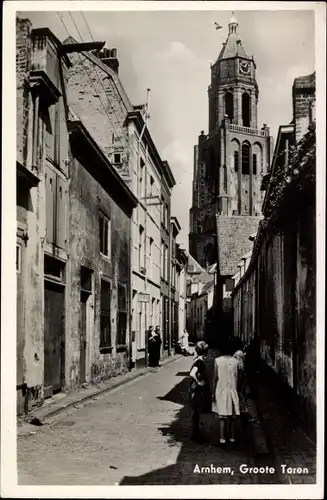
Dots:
{"x": 303, "y": 103}
{"x": 109, "y": 57}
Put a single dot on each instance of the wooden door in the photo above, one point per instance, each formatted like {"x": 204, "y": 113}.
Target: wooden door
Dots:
{"x": 53, "y": 337}
{"x": 82, "y": 330}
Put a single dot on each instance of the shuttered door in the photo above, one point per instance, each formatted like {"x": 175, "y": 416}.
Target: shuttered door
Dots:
{"x": 53, "y": 337}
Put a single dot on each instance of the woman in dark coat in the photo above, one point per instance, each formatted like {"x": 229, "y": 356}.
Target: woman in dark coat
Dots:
{"x": 154, "y": 346}
{"x": 199, "y": 387}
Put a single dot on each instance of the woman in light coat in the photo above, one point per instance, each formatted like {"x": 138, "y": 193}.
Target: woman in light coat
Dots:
{"x": 224, "y": 391}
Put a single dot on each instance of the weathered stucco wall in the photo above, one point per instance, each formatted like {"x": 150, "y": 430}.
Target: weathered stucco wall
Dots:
{"x": 276, "y": 298}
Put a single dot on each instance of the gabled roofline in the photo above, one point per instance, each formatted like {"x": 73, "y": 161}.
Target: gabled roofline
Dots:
{"x": 136, "y": 117}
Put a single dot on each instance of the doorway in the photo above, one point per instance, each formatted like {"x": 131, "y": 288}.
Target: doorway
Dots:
{"x": 53, "y": 337}
{"x": 82, "y": 329}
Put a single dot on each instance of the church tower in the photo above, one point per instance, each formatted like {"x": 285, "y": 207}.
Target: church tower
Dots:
{"x": 229, "y": 161}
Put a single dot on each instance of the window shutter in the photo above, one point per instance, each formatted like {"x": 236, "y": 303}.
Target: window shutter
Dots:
{"x": 50, "y": 190}
{"x": 49, "y": 118}
{"x": 61, "y": 213}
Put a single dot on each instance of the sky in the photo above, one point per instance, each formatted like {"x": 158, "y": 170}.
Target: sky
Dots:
{"x": 170, "y": 52}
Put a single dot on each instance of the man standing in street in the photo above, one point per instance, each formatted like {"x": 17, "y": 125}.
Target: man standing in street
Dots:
{"x": 154, "y": 343}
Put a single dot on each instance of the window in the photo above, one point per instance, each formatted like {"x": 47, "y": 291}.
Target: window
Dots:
{"x": 141, "y": 250}
{"x": 150, "y": 255}
{"x": 246, "y": 109}
{"x": 121, "y": 315}
{"x": 18, "y": 258}
{"x": 105, "y": 328}
{"x": 105, "y": 235}
{"x": 51, "y": 119}
{"x": 229, "y": 285}
{"x": 53, "y": 268}
{"x": 236, "y": 160}
{"x": 229, "y": 105}
{"x": 166, "y": 263}
{"x": 117, "y": 158}
{"x": 254, "y": 164}
{"x": 151, "y": 185}
{"x": 55, "y": 197}
{"x": 162, "y": 260}
{"x": 166, "y": 216}
{"x": 245, "y": 159}
{"x": 141, "y": 179}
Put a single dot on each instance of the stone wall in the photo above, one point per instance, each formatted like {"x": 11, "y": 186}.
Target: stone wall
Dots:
{"x": 233, "y": 240}
{"x": 276, "y": 298}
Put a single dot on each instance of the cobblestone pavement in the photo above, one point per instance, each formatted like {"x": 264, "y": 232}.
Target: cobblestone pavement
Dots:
{"x": 138, "y": 433}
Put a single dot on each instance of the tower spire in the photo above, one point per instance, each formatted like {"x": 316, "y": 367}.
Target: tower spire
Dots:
{"x": 232, "y": 25}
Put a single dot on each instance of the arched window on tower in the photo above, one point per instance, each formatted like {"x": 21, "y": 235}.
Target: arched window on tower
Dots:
{"x": 246, "y": 110}
{"x": 225, "y": 178}
{"x": 245, "y": 159}
{"x": 254, "y": 164}
{"x": 229, "y": 105}
{"x": 236, "y": 161}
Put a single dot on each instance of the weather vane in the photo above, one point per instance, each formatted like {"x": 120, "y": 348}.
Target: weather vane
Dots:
{"x": 218, "y": 27}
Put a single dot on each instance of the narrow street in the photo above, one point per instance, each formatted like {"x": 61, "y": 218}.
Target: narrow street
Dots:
{"x": 136, "y": 434}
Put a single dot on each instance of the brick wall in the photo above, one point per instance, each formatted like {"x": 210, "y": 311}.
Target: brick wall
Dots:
{"x": 233, "y": 240}
{"x": 101, "y": 107}
{"x": 303, "y": 99}
{"x": 23, "y": 60}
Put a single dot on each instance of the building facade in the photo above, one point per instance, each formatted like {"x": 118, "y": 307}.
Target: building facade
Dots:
{"x": 174, "y": 281}
{"x": 73, "y": 290}
{"x": 168, "y": 182}
{"x": 180, "y": 294}
{"x": 229, "y": 164}
{"x": 42, "y": 201}
{"x": 97, "y": 96}
{"x": 275, "y": 296}
{"x": 149, "y": 261}
{"x": 100, "y": 229}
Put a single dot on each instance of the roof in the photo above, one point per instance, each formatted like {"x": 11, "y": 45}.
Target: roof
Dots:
{"x": 162, "y": 165}
{"x": 196, "y": 268}
{"x": 90, "y": 155}
{"x": 207, "y": 287}
{"x": 233, "y": 46}
{"x": 114, "y": 77}
{"x": 307, "y": 81}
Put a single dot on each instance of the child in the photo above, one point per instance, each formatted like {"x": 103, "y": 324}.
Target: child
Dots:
{"x": 224, "y": 395}
{"x": 199, "y": 387}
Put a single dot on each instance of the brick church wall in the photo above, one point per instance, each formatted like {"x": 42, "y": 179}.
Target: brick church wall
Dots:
{"x": 233, "y": 240}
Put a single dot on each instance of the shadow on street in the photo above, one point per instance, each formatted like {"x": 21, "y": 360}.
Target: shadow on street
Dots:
{"x": 178, "y": 432}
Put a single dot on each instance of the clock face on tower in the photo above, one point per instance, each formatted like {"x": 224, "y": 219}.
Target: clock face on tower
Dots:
{"x": 244, "y": 68}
